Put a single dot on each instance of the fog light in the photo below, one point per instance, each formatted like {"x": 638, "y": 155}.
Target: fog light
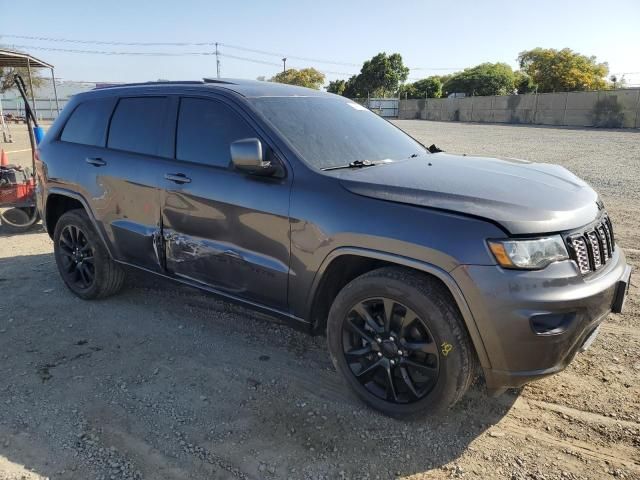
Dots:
{"x": 551, "y": 323}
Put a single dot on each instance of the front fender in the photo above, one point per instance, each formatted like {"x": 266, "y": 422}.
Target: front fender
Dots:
{"x": 428, "y": 268}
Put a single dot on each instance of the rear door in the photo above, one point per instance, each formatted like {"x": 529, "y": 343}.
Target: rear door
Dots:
{"x": 122, "y": 181}
{"x": 223, "y": 228}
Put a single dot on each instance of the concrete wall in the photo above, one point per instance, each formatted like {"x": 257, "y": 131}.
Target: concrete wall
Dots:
{"x": 611, "y": 108}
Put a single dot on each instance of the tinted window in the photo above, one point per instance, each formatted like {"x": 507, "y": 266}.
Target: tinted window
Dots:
{"x": 206, "y": 128}
{"x": 88, "y": 122}
{"x": 137, "y": 124}
{"x": 328, "y": 131}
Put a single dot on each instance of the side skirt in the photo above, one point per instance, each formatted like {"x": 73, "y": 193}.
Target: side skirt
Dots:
{"x": 278, "y": 315}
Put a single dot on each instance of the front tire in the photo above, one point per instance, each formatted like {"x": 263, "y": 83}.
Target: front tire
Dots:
{"x": 83, "y": 262}
{"x": 398, "y": 339}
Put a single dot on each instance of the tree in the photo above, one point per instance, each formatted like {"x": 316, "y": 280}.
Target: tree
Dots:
{"x": 430, "y": 87}
{"x": 524, "y": 83}
{"x": 617, "y": 82}
{"x": 382, "y": 74}
{"x": 563, "y": 70}
{"x": 307, "y": 77}
{"x": 483, "y": 79}
{"x": 378, "y": 76}
{"x": 7, "y": 73}
{"x": 337, "y": 86}
{"x": 353, "y": 88}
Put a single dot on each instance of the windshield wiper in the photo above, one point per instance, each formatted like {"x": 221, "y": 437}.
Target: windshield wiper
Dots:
{"x": 356, "y": 164}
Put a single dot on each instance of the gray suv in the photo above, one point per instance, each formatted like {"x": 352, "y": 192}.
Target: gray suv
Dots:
{"x": 424, "y": 269}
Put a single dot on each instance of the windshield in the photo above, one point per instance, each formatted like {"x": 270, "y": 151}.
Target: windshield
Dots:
{"x": 330, "y": 132}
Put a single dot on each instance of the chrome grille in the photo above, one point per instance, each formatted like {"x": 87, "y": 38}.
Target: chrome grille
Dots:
{"x": 581, "y": 254}
{"x": 594, "y": 247}
{"x": 606, "y": 247}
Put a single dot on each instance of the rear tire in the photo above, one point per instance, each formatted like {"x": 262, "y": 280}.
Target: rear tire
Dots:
{"x": 83, "y": 262}
{"x": 399, "y": 340}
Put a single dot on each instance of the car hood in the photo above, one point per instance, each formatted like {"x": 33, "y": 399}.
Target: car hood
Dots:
{"x": 523, "y": 197}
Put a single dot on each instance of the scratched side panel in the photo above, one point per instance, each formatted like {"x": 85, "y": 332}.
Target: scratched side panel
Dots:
{"x": 125, "y": 199}
{"x": 229, "y": 231}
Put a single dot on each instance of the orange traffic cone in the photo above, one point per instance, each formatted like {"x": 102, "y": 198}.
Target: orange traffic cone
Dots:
{"x": 4, "y": 159}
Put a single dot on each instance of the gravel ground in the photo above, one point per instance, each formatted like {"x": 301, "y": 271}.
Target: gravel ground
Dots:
{"x": 163, "y": 382}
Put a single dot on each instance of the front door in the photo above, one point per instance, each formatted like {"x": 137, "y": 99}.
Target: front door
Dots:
{"x": 223, "y": 228}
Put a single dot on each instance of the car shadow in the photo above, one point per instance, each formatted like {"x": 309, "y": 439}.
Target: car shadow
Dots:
{"x": 162, "y": 365}
{"x": 7, "y": 232}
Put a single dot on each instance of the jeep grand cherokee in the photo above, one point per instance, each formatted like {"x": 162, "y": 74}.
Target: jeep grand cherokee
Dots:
{"x": 419, "y": 266}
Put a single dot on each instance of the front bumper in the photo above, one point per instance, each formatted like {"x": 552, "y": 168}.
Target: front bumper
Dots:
{"x": 532, "y": 323}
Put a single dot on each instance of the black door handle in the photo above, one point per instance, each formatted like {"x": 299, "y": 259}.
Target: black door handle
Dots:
{"x": 95, "y": 161}
{"x": 177, "y": 177}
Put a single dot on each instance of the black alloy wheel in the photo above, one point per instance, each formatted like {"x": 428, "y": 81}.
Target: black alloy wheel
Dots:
{"x": 77, "y": 256}
{"x": 399, "y": 340}
{"x": 390, "y": 350}
{"x": 82, "y": 259}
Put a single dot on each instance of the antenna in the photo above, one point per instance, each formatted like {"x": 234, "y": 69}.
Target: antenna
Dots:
{"x": 217, "y": 61}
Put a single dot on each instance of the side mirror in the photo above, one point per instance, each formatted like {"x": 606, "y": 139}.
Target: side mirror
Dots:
{"x": 248, "y": 155}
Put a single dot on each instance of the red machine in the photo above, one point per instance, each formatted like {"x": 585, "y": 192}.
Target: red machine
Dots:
{"x": 18, "y": 210}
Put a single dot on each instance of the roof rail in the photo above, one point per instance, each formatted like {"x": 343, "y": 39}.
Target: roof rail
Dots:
{"x": 159, "y": 82}
{"x": 217, "y": 80}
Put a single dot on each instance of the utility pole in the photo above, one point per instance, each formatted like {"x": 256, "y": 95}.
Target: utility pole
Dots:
{"x": 284, "y": 65}
{"x": 217, "y": 61}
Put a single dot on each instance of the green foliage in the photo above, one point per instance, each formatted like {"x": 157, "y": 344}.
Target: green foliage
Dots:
{"x": 382, "y": 74}
{"x": 430, "y": 87}
{"x": 563, "y": 70}
{"x": 7, "y": 73}
{"x": 379, "y": 76}
{"x": 353, "y": 88}
{"x": 524, "y": 83}
{"x": 483, "y": 79}
{"x": 542, "y": 70}
{"x": 337, "y": 86}
{"x": 307, "y": 77}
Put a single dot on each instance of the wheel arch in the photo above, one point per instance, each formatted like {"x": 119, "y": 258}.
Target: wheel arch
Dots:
{"x": 323, "y": 291}
{"x": 59, "y": 201}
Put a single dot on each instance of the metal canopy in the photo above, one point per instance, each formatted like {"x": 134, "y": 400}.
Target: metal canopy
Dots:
{"x": 9, "y": 58}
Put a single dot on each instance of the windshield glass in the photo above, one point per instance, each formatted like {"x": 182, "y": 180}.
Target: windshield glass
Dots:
{"x": 329, "y": 132}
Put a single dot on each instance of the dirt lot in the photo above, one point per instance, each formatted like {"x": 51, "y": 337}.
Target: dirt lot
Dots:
{"x": 165, "y": 382}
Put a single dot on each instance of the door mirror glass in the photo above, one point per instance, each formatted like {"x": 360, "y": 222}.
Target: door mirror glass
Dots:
{"x": 248, "y": 155}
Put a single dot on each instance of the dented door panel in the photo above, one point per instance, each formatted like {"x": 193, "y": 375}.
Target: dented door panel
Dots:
{"x": 229, "y": 231}
{"x": 125, "y": 198}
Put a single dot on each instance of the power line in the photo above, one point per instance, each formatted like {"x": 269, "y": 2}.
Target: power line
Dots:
{"x": 108, "y": 52}
{"x": 178, "y": 44}
{"x": 100, "y": 42}
{"x": 162, "y": 54}
{"x": 280, "y": 54}
{"x": 199, "y": 44}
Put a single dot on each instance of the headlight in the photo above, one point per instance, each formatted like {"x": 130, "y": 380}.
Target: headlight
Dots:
{"x": 529, "y": 254}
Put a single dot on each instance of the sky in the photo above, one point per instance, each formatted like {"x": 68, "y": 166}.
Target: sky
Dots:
{"x": 432, "y": 37}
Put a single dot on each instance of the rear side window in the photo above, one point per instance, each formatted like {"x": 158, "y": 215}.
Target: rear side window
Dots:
{"x": 137, "y": 124}
{"x": 87, "y": 124}
{"x": 206, "y": 128}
